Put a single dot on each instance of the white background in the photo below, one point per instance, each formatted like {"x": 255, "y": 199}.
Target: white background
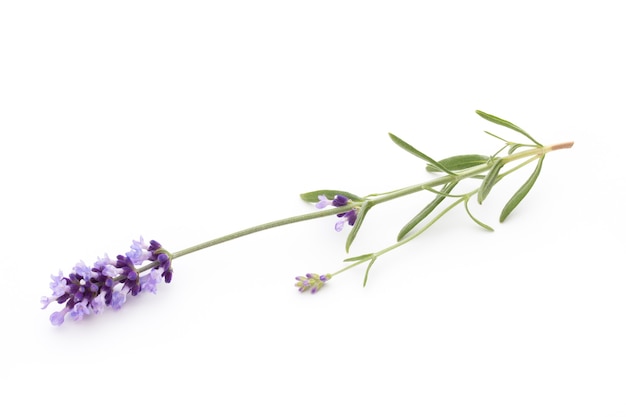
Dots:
{"x": 183, "y": 121}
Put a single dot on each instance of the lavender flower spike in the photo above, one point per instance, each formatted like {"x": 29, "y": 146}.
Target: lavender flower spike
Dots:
{"x": 89, "y": 289}
{"x": 313, "y": 282}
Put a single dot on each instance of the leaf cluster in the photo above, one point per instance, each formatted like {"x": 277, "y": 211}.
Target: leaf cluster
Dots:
{"x": 454, "y": 169}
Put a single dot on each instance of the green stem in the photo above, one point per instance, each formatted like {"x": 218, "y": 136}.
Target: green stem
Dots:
{"x": 378, "y": 199}
{"x": 534, "y": 154}
{"x": 406, "y": 239}
{"x": 466, "y": 173}
{"x": 265, "y": 226}
{"x": 251, "y": 230}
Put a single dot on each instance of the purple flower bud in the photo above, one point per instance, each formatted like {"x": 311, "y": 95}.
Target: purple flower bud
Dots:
{"x": 340, "y": 201}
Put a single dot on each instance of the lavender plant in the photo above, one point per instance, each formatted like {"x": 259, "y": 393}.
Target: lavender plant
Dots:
{"x": 89, "y": 290}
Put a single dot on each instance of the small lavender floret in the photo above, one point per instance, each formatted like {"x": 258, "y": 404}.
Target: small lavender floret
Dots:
{"x": 313, "y": 282}
{"x": 89, "y": 289}
{"x": 139, "y": 252}
{"x": 118, "y": 299}
{"x": 323, "y": 202}
{"x": 82, "y": 270}
{"x": 149, "y": 282}
{"x": 347, "y": 217}
{"x": 98, "y": 303}
{"x": 58, "y": 285}
{"x": 339, "y": 201}
{"x": 79, "y": 311}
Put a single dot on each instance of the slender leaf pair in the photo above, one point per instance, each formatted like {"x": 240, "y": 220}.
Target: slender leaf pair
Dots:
{"x": 505, "y": 123}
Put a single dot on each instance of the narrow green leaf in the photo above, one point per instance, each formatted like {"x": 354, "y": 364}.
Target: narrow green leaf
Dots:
{"x": 357, "y": 224}
{"x": 367, "y": 271}
{"x": 478, "y": 222}
{"x": 459, "y": 162}
{"x": 313, "y": 196}
{"x": 505, "y": 123}
{"x": 410, "y": 149}
{"x": 521, "y": 193}
{"x": 496, "y": 136}
{"x": 358, "y": 258}
{"x": 490, "y": 180}
{"x": 426, "y": 210}
{"x": 513, "y": 148}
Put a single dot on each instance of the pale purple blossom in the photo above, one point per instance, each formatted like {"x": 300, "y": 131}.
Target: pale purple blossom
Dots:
{"x": 107, "y": 267}
{"x": 45, "y": 301}
{"x": 79, "y": 311}
{"x": 118, "y": 299}
{"x": 83, "y": 270}
{"x": 98, "y": 303}
{"x": 324, "y": 202}
{"x": 138, "y": 253}
{"x": 149, "y": 282}
{"x": 58, "y": 285}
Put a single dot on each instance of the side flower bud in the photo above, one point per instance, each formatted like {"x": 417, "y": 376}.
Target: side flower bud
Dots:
{"x": 313, "y": 282}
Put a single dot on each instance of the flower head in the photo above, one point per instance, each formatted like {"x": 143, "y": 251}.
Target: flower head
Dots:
{"x": 313, "y": 282}
{"x": 89, "y": 289}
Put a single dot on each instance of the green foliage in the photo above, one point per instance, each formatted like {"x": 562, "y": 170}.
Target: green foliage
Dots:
{"x": 505, "y": 123}
{"x": 358, "y": 258}
{"x": 458, "y": 163}
{"x": 522, "y": 191}
{"x": 489, "y": 181}
{"x": 367, "y": 271}
{"x": 426, "y": 210}
{"x": 488, "y": 170}
{"x": 478, "y": 222}
{"x": 410, "y": 149}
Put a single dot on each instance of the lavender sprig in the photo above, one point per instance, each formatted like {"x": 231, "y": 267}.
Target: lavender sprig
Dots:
{"x": 89, "y": 290}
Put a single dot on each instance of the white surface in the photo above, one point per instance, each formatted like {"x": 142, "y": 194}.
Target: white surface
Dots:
{"x": 182, "y": 121}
